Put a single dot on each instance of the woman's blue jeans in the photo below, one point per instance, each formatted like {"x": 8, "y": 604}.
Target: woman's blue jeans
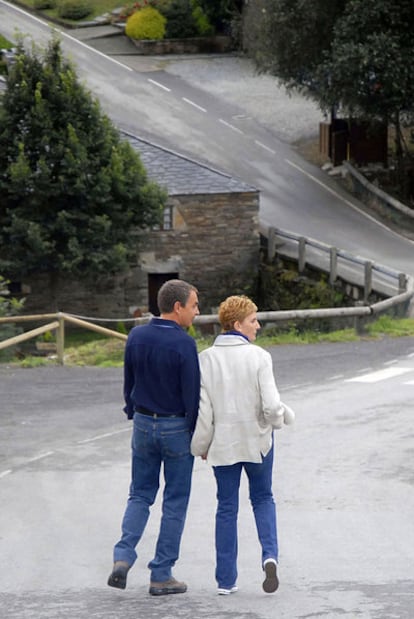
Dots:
{"x": 264, "y": 509}
{"x": 154, "y": 442}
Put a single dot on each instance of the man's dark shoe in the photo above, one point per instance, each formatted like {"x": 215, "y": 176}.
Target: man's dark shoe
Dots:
{"x": 167, "y": 587}
{"x": 118, "y": 578}
{"x": 271, "y": 581}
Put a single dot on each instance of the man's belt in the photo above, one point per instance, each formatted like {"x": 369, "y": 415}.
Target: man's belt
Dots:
{"x": 145, "y": 411}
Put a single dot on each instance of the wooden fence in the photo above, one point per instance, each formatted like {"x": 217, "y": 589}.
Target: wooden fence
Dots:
{"x": 399, "y": 287}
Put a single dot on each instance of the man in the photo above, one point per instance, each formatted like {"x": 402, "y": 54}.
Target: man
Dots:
{"x": 161, "y": 391}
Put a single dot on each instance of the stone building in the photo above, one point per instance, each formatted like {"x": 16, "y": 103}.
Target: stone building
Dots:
{"x": 209, "y": 236}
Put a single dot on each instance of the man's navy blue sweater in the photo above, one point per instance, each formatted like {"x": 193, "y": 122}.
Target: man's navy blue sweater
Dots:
{"x": 161, "y": 371}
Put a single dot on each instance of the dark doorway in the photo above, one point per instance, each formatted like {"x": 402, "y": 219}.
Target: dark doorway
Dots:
{"x": 155, "y": 281}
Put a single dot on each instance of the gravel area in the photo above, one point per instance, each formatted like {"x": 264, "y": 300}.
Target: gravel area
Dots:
{"x": 291, "y": 116}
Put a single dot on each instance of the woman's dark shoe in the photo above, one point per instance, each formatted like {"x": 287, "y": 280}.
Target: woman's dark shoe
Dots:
{"x": 118, "y": 578}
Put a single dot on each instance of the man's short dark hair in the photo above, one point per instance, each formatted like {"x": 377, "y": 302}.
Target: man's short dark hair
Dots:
{"x": 172, "y": 291}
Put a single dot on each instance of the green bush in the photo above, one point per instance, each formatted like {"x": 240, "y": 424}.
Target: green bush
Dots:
{"x": 204, "y": 27}
{"x": 8, "y": 307}
{"x": 181, "y": 23}
{"x": 147, "y": 23}
{"x": 74, "y": 9}
{"x": 40, "y": 5}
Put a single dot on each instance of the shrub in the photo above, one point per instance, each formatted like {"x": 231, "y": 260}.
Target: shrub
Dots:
{"x": 8, "y": 307}
{"x": 181, "y": 23}
{"x": 204, "y": 27}
{"x": 146, "y": 23}
{"x": 40, "y": 5}
{"x": 74, "y": 9}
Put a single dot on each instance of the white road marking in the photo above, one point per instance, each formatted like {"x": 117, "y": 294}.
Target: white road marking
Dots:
{"x": 159, "y": 85}
{"x": 28, "y": 461}
{"x": 339, "y": 196}
{"x": 375, "y": 377}
{"x": 194, "y": 104}
{"x": 40, "y": 457}
{"x": 99, "y": 437}
{"x": 67, "y": 36}
{"x": 270, "y": 150}
{"x": 223, "y": 122}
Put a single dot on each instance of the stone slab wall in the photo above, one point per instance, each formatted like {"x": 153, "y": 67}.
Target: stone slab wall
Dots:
{"x": 193, "y": 45}
{"x": 215, "y": 245}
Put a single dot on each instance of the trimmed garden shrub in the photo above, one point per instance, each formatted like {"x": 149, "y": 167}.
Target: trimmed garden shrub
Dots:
{"x": 74, "y": 9}
{"x": 147, "y": 23}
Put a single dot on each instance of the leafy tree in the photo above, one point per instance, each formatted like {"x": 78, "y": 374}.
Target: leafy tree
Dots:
{"x": 370, "y": 67}
{"x": 72, "y": 191}
{"x": 355, "y": 54}
{"x": 221, "y": 12}
{"x": 295, "y": 35}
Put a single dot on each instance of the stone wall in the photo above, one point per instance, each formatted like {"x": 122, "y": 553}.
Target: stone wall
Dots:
{"x": 214, "y": 244}
{"x": 193, "y": 45}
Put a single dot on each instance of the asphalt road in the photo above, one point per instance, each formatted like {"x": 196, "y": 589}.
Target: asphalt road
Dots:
{"x": 343, "y": 483}
{"x": 343, "y": 474}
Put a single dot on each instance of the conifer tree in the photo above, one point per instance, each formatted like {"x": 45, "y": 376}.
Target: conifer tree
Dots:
{"x": 72, "y": 191}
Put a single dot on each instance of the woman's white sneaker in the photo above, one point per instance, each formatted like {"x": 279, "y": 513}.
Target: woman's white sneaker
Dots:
{"x": 222, "y": 591}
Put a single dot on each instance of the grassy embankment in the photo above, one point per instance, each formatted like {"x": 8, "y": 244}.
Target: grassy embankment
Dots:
{"x": 89, "y": 349}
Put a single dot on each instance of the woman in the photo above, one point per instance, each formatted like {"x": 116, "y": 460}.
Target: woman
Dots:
{"x": 239, "y": 408}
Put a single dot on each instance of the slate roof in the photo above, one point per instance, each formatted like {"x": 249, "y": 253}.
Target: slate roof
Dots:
{"x": 181, "y": 175}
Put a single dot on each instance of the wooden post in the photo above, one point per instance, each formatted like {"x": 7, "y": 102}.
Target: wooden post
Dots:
{"x": 60, "y": 340}
{"x": 333, "y": 265}
{"x": 271, "y": 244}
{"x": 367, "y": 280}
{"x": 402, "y": 283}
{"x": 301, "y": 254}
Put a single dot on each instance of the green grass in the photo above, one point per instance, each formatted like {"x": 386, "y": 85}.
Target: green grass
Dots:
{"x": 385, "y": 325}
{"x": 86, "y": 348}
{"x": 4, "y": 43}
{"x": 99, "y": 7}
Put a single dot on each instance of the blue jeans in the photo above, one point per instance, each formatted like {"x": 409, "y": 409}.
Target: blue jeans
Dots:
{"x": 264, "y": 509}
{"x": 156, "y": 441}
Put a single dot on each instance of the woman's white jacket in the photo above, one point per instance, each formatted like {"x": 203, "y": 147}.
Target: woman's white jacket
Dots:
{"x": 239, "y": 405}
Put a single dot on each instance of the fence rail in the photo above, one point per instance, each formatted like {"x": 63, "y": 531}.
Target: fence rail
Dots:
{"x": 57, "y": 325}
{"x": 366, "y": 274}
